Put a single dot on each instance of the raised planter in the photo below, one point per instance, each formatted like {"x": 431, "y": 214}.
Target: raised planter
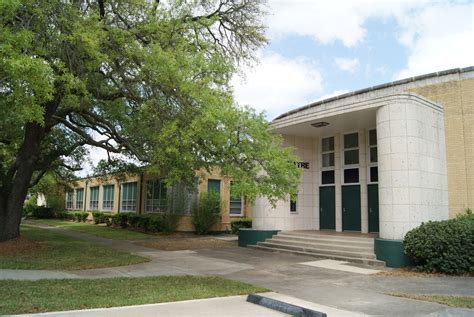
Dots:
{"x": 392, "y": 253}
{"x": 248, "y": 236}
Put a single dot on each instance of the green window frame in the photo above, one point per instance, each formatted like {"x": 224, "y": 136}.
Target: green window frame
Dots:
{"x": 94, "y": 198}
{"x": 108, "y": 197}
{"x": 79, "y": 198}
{"x": 156, "y": 196}
{"x": 236, "y": 203}
{"x": 129, "y": 197}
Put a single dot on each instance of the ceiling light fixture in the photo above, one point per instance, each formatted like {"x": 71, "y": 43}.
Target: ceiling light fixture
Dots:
{"x": 320, "y": 124}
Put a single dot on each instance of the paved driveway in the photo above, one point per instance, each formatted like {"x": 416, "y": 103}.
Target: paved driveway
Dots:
{"x": 282, "y": 273}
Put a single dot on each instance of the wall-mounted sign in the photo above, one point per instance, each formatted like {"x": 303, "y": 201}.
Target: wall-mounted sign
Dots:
{"x": 304, "y": 165}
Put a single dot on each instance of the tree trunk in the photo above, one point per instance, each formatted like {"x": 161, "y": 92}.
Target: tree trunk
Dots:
{"x": 9, "y": 220}
{"x": 13, "y": 194}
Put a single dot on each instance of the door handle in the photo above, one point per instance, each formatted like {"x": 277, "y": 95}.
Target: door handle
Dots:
{"x": 343, "y": 209}
{"x": 370, "y": 210}
{"x": 321, "y": 209}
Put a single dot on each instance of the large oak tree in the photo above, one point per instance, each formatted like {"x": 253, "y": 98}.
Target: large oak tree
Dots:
{"x": 143, "y": 78}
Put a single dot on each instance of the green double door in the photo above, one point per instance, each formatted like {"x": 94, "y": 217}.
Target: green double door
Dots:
{"x": 373, "y": 206}
{"x": 351, "y": 208}
{"x": 327, "y": 208}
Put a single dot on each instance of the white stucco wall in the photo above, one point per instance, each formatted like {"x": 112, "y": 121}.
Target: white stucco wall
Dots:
{"x": 412, "y": 166}
{"x": 306, "y": 217}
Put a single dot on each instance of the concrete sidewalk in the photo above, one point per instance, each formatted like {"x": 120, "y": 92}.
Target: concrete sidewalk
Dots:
{"x": 283, "y": 273}
{"x": 232, "y": 306}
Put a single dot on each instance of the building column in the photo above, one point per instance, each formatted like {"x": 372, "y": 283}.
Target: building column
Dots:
{"x": 364, "y": 213}
{"x": 337, "y": 181}
{"x": 412, "y": 167}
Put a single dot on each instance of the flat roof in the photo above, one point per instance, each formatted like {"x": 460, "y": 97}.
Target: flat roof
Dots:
{"x": 377, "y": 87}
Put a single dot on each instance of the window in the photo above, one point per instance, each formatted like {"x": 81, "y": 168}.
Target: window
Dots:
{"x": 69, "y": 200}
{"x": 94, "y": 199}
{"x": 236, "y": 203}
{"x": 155, "y": 196}
{"x": 79, "y": 198}
{"x": 183, "y": 198}
{"x": 214, "y": 185}
{"x": 129, "y": 197}
{"x": 373, "y": 158}
{"x": 293, "y": 204}
{"x": 351, "y": 158}
{"x": 327, "y": 161}
{"x": 108, "y": 197}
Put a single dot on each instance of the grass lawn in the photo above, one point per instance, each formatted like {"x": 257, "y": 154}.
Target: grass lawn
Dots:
{"x": 100, "y": 231}
{"x": 43, "y": 249}
{"x": 450, "y": 300}
{"x": 56, "y": 295}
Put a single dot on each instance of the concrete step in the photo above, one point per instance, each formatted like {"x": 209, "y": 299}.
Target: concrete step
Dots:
{"x": 312, "y": 249}
{"x": 322, "y": 256}
{"x": 365, "y": 242}
{"x": 324, "y": 245}
{"x": 321, "y": 234}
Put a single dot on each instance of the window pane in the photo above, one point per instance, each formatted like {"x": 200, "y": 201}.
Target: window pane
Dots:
{"x": 293, "y": 205}
{"x": 328, "y": 159}
{"x": 374, "y": 174}
{"x": 351, "y": 157}
{"x": 351, "y": 140}
{"x": 214, "y": 185}
{"x": 351, "y": 175}
{"x": 327, "y": 177}
{"x": 373, "y": 137}
{"x": 328, "y": 144}
{"x": 373, "y": 155}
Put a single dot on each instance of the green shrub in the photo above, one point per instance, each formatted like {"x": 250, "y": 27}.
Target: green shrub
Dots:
{"x": 169, "y": 222}
{"x": 133, "y": 220}
{"x": 62, "y": 215}
{"x": 467, "y": 215}
{"x": 42, "y": 212}
{"x": 122, "y": 219}
{"x": 80, "y": 216}
{"x": 443, "y": 246}
{"x": 236, "y": 224}
{"x": 144, "y": 223}
{"x": 98, "y": 216}
{"x": 156, "y": 223}
{"x": 207, "y": 212}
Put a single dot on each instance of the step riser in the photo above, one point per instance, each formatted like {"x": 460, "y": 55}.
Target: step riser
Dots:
{"x": 325, "y": 242}
{"x": 366, "y": 242}
{"x": 327, "y": 236}
{"x": 321, "y": 256}
{"x": 322, "y": 246}
{"x": 318, "y": 251}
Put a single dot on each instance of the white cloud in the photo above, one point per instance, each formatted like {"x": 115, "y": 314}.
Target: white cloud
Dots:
{"x": 278, "y": 84}
{"x": 347, "y": 64}
{"x": 441, "y": 37}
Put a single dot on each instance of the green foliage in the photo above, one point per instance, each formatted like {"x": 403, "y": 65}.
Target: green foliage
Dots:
{"x": 236, "y": 224}
{"x": 467, "y": 215}
{"x": 122, "y": 219}
{"x": 207, "y": 212}
{"x": 133, "y": 220}
{"x": 80, "y": 216}
{"x": 144, "y": 223}
{"x": 443, "y": 246}
{"x": 42, "y": 212}
{"x": 99, "y": 217}
{"x": 29, "y": 206}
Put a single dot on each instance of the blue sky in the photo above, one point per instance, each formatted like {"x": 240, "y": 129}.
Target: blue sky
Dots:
{"x": 319, "y": 49}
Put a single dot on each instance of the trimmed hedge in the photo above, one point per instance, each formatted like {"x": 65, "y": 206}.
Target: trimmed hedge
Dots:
{"x": 42, "y": 212}
{"x": 443, "y": 246}
{"x": 236, "y": 224}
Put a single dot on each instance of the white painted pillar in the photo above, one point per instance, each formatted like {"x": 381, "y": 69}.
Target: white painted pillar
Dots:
{"x": 412, "y": 166}
{"x": 364, "y": 214}
{"x": 337, "y": 180}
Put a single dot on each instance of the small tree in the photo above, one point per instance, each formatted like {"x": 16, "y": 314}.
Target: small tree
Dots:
{"x": 207, "y": 212}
